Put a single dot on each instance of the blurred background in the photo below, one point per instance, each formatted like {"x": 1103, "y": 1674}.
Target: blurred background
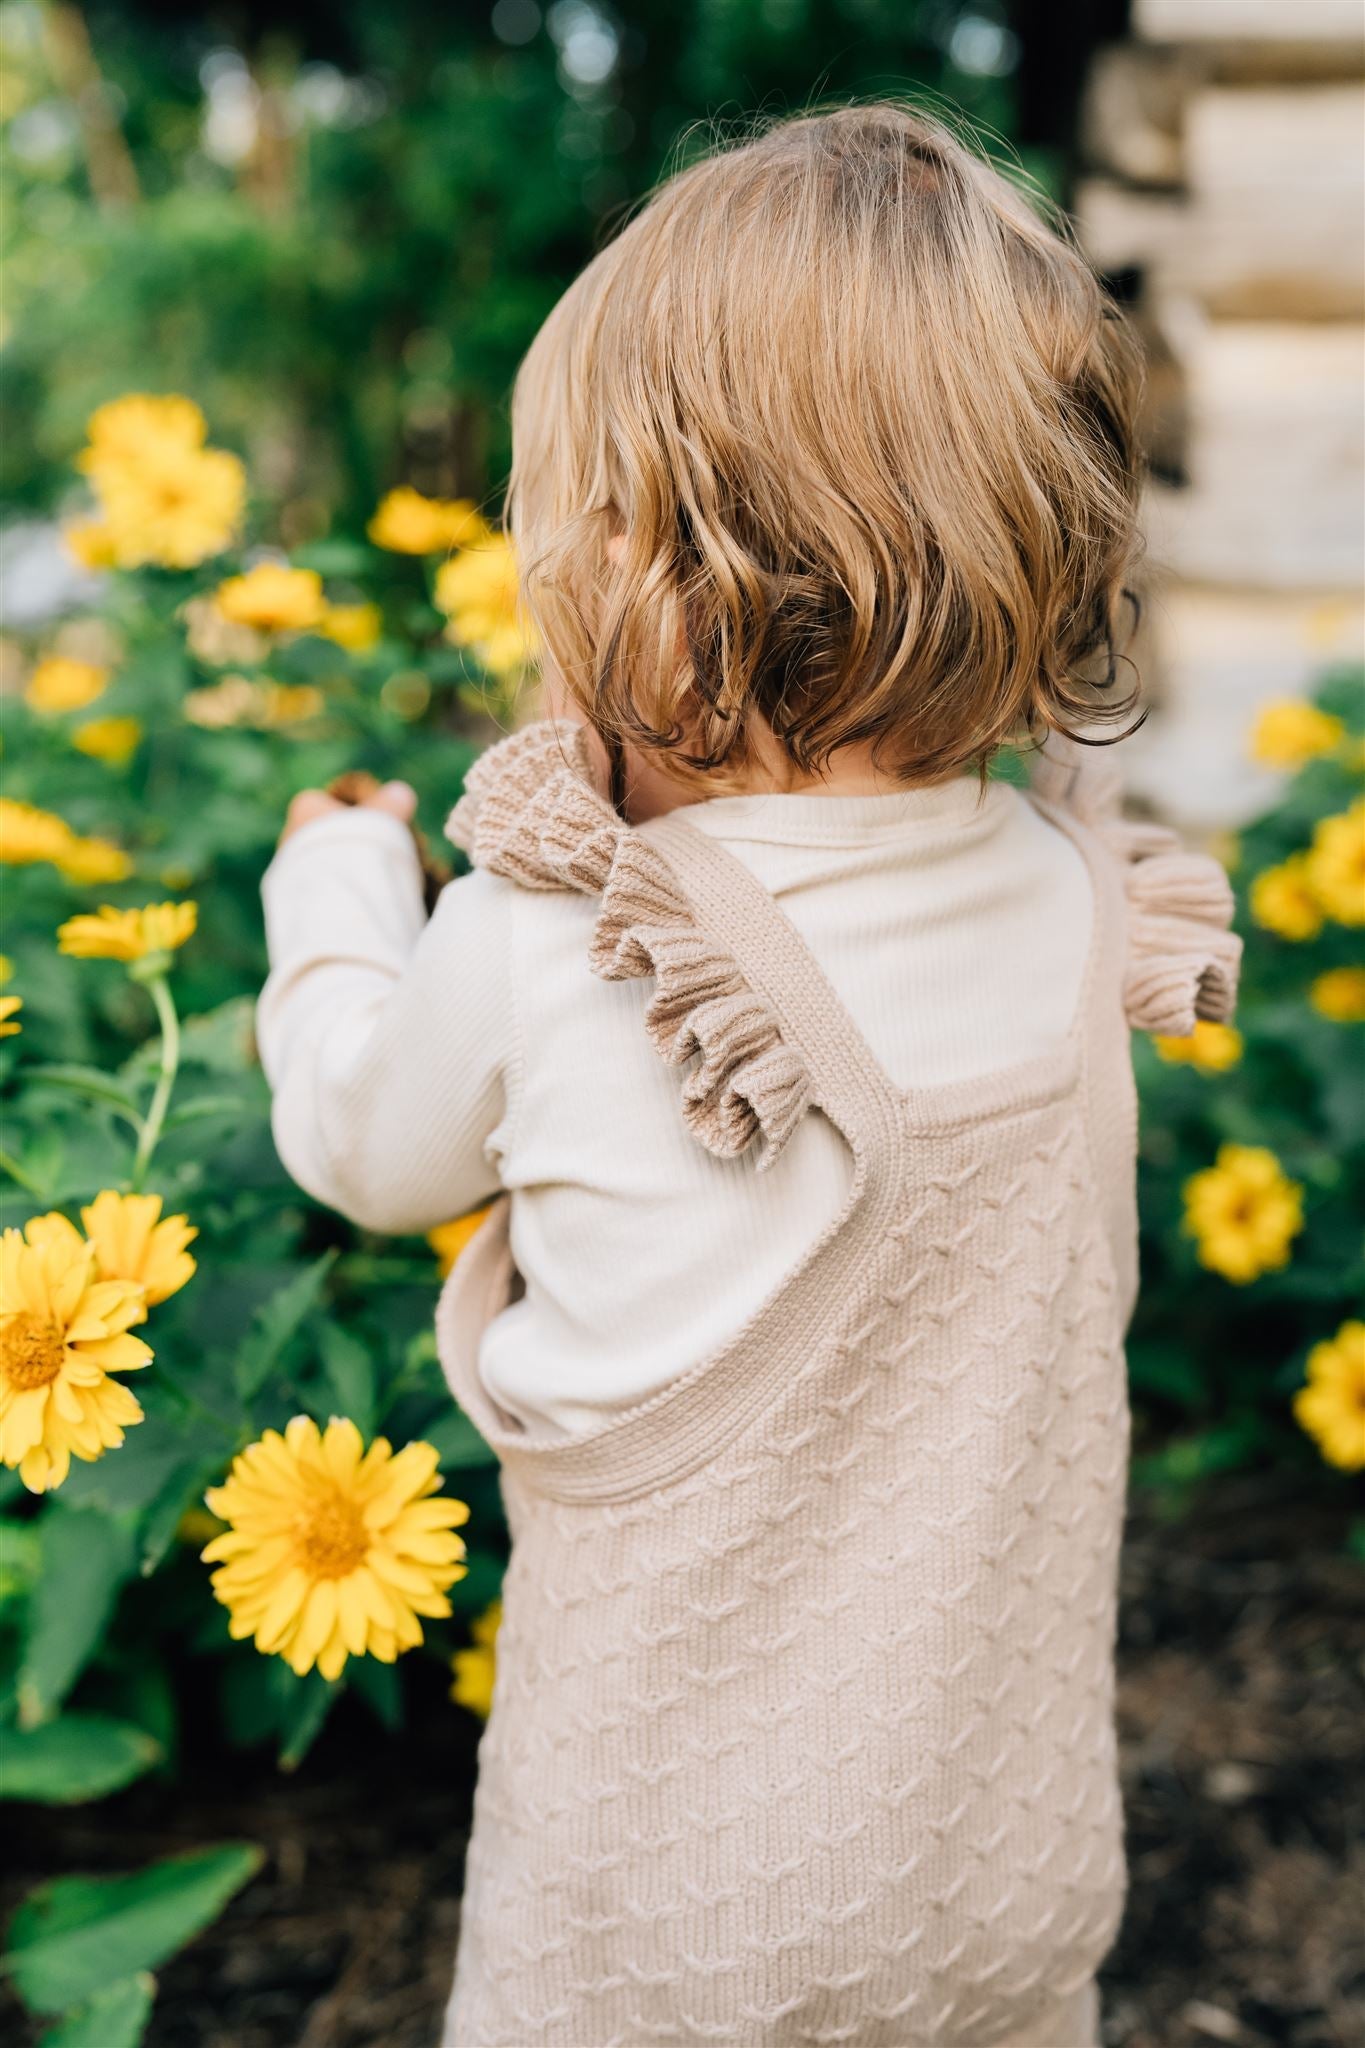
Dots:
{"x": 334, "y": 229}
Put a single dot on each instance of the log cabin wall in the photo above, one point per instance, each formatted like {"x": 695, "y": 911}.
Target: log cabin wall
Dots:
{"x": 1224, "y": 189}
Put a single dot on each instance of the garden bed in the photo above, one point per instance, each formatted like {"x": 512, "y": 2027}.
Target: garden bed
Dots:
{"x": 1242, "y": 1715}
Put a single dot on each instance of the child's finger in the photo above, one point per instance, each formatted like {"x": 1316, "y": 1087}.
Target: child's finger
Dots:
{"x": 399, "y": 799}
{"x": 305, "y": 807}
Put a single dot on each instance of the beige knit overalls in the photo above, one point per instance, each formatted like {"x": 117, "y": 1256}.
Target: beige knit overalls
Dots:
{"x": 803, "y": 1727}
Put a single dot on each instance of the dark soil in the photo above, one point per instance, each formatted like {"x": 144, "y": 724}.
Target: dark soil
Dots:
{"x": 1242, "y": 1713}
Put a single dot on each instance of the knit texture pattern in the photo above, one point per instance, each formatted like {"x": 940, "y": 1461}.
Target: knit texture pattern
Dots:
{"x": 803, "y": 1727}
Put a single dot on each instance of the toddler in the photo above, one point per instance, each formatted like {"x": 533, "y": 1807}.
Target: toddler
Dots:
{"x": 794, "y": 1050}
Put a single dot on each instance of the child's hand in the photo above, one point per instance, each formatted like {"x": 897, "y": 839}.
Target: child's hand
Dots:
{"x": 398, "y": 799}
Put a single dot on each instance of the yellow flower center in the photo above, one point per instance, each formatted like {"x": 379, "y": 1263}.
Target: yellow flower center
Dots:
{"x": 31, "y": 1352}
{"x": 331, "y": 1536}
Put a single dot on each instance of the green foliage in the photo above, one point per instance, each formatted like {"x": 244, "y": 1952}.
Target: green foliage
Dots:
{"x": 102, "y": 1596}
{"x": 74, "y": 1939}
{"x": 1214, "y": 1365}
{"x": 114, "y": 2018}
{"x": 344, "y": 244}
{"x": 85, "y": 1557}
{"x": 76, "y": 1757}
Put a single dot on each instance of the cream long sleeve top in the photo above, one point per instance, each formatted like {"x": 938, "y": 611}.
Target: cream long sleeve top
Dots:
{"x": 420, "y": 1067}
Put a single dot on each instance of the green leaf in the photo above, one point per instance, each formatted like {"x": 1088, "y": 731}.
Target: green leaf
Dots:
{"x": 128, "y": 1480}
{"x": 334, "y": 557}
{"x": 77, "y": 1756}
{"x": 252, "y": 1697}
{"x": 457, "y": 1443}
{"x": 202, "y": 1107}
{"x": 303, "y": 1723}
{"x": 40, "y": 1161}
{"x": 73, "y": 1938}
{"x": 86, "y": 1556}
{"x": 350, "y": 1374}
{"x": 381, "y": 1688}
{"x": 184, "y": 1489}
{"x": 276, "y": 1322}
{"x": 222, "y": 1041}
{"x": 91, "y": 1082}
{"x": 19, "y": 1561}
{"x": 114, "y": 2018}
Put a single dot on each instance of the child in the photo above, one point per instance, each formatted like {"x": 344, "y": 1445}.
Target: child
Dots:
{"x": 798, "y": 1321}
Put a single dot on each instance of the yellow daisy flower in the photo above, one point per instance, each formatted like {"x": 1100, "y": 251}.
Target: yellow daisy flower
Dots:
{"x": 1290, "y": 732}
{"x": 476, "y": 1668}
{"x": 1243, "y": 1212}
{"x": 448, "y": 1240}
{"x": 1332, "y": 1405}
{"x": 256, "y": 702}
{"x": 478, "y": 591}
{"x": 94, "y": 860}
{"x": 61, "y": 683}
{"x": 176, "y": 506}
{"x": 1211, "y": 1048}
{"x": 1283, "y": 900}
{"x": 62, "y": 1333}
{"x": 112, "y": 740}
{"x": 28, "y": 834}
{"x": 331, "y": 1550}
{"x": 273, "y": 598}
{"x": 111, "y": 934}
{"x": 10, "y": 1006}
{"x": 1336, "y": 865}
{"x": 356, "y": 627}
{"x": 284, "y": 704}
{"x": 233, "y": 701}
{"x": 124, "y": 430}
{"x": 6, "y": 969}
{"x": 1340, "y": 995}
{"x": 406, "y": 523}
{"x": 132, "y": 1241}
{"x": 89, "y": 542}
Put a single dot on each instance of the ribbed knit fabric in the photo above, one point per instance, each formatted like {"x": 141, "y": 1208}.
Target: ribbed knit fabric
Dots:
{"x": 803, "y": 1722}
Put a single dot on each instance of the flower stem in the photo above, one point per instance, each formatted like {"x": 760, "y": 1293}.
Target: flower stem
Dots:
{"x": 17, "y": 1174}
{"x": 159, "y": 989}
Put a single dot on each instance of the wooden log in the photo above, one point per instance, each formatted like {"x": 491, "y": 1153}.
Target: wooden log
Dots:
{"x": 1260, "y": 38}
{"x": 1276, "y": 179}
{"x": 1214, "y": 658}
{"x": 1120, "y": 229}
{"x": 1275, "y": 455}
{"x": 1273, "y": 224}
{"x": 1132, "y": 114}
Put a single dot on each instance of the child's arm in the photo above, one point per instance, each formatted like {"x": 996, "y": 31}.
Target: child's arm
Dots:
{"x": 387, "y": 1040}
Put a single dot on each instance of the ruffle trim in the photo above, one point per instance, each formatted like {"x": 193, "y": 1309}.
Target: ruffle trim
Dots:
{"x": 1183, "y": 961}
{"x": 530, "y": 812}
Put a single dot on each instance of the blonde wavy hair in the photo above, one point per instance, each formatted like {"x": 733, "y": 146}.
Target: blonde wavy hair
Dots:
{"x": 838, "y": 433}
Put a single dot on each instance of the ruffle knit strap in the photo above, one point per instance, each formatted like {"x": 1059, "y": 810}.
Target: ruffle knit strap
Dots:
{"x": 1183, "y": 961}
{"x": 531, "y": 813}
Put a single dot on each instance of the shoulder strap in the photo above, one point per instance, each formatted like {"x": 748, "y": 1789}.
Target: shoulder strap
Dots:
{"x": 847, "y": 1081}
